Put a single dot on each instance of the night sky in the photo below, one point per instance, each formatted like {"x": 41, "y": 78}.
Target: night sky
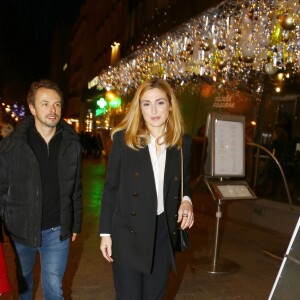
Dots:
{"x": 26, "y": 32}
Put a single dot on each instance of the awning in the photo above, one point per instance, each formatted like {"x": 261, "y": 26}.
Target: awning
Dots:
{"x": 233, "y": 44}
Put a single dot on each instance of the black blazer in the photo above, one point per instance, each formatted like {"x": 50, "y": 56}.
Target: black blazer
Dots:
{"x": 129, "y": 201}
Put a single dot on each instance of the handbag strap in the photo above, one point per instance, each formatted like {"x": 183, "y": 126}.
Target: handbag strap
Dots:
{"x": 181, "y": 159}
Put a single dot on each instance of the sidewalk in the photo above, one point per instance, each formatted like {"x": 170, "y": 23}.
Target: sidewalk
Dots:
{"x": 88, "y": 276}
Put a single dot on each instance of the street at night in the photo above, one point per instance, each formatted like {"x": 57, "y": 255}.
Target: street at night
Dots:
{"x": 190, "y": 109}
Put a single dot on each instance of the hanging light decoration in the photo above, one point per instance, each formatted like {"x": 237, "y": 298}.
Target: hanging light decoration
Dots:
{"x": 237, "y": 41}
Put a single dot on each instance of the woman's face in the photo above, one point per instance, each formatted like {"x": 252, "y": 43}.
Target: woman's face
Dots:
{"x": 155, "y": 108}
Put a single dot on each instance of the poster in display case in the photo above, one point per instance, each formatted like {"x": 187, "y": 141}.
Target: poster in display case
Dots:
{"x": 225, "y": 156}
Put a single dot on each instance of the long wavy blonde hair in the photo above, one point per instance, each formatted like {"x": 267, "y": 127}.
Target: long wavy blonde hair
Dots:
{"x": 137, "y": 135}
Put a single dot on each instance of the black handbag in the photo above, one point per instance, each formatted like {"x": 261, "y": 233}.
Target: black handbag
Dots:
{"x": 183, "y": 240}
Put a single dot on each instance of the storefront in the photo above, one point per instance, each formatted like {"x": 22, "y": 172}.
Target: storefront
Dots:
{"x": 242, "y": 57}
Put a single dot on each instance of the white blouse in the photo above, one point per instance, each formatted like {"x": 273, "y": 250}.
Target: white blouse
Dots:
{"x": 158, "y": 164}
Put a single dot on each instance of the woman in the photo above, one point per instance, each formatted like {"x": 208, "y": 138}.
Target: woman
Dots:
{"x": 141, "y": 208}
{"x": 4, "y": 282}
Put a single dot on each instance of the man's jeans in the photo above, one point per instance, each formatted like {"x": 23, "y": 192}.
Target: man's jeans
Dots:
{"x": 53, "y": 256}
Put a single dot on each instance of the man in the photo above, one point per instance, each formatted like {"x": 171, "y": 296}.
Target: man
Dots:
{"x": 40, "y": 189}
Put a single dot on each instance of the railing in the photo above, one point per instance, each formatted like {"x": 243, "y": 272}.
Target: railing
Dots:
{"x": 278, "y": 165}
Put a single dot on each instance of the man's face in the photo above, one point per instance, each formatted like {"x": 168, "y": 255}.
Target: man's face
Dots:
{"x": 47, "y": 108}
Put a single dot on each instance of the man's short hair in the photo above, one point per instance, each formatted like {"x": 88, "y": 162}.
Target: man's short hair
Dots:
{"x": 44, "y": 83}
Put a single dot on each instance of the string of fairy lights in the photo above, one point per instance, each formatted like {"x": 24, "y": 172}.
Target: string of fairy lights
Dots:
{"x": 234, "y": 44}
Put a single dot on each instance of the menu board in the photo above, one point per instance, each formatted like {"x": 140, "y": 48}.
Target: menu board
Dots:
{"x": 229, "y": 148}
{"x": 231, "y": 189}
{"x": 225, "y": 145}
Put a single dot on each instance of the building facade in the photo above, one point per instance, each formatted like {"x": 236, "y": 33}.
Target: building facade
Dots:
{"x": 107, "y": 31}
{"x": 104, "y": 32}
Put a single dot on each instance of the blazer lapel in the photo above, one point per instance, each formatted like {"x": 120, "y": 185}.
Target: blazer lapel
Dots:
{"x": 171, "y": 157}
{"x": 145, "y": 161}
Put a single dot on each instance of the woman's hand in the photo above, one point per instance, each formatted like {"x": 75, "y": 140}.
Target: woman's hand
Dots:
{"x": 105, "y": 247}
{"x": 185, "y": 215}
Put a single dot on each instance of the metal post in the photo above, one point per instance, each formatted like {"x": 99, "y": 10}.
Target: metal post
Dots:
{"x": 216, "y": 265}
{"x": 218, "y": 217}
{"x": 256, "y": 169}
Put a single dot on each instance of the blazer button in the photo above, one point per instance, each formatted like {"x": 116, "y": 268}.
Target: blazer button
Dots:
{"x": 175, "y": 216}
{"x": 174, "y": 232}
{"x": 132, "y": 231}
{"x": 133, "y": 213}
{"x": 134, "y": 194}
{"x": 136, "y": 174}
{"x": 176, "y": 178}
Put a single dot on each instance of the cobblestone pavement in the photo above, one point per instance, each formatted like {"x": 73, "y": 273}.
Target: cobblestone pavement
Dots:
{"x": 88, "y": 276}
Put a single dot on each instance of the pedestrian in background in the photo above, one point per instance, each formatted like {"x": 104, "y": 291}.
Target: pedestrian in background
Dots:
{"x": 6, "y": 130}
{"x": 40, "y": 189}
{"x": 140, "y": 208}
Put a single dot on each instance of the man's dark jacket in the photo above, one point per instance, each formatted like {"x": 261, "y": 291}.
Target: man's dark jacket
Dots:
{"x": 21, "y": 190}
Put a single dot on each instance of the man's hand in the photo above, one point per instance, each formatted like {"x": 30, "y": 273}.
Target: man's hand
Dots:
{"x": 105, "y": 247}
{"x": 74, "y": 235}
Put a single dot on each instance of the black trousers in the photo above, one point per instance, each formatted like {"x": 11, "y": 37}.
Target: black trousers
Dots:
{"x": 133, "y": 285}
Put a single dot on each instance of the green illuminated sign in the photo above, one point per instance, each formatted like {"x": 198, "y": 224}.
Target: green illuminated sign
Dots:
{"x": 115, "y": 103}
{"x": 102, "y": 107}
{"x": 102, "y": 103}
